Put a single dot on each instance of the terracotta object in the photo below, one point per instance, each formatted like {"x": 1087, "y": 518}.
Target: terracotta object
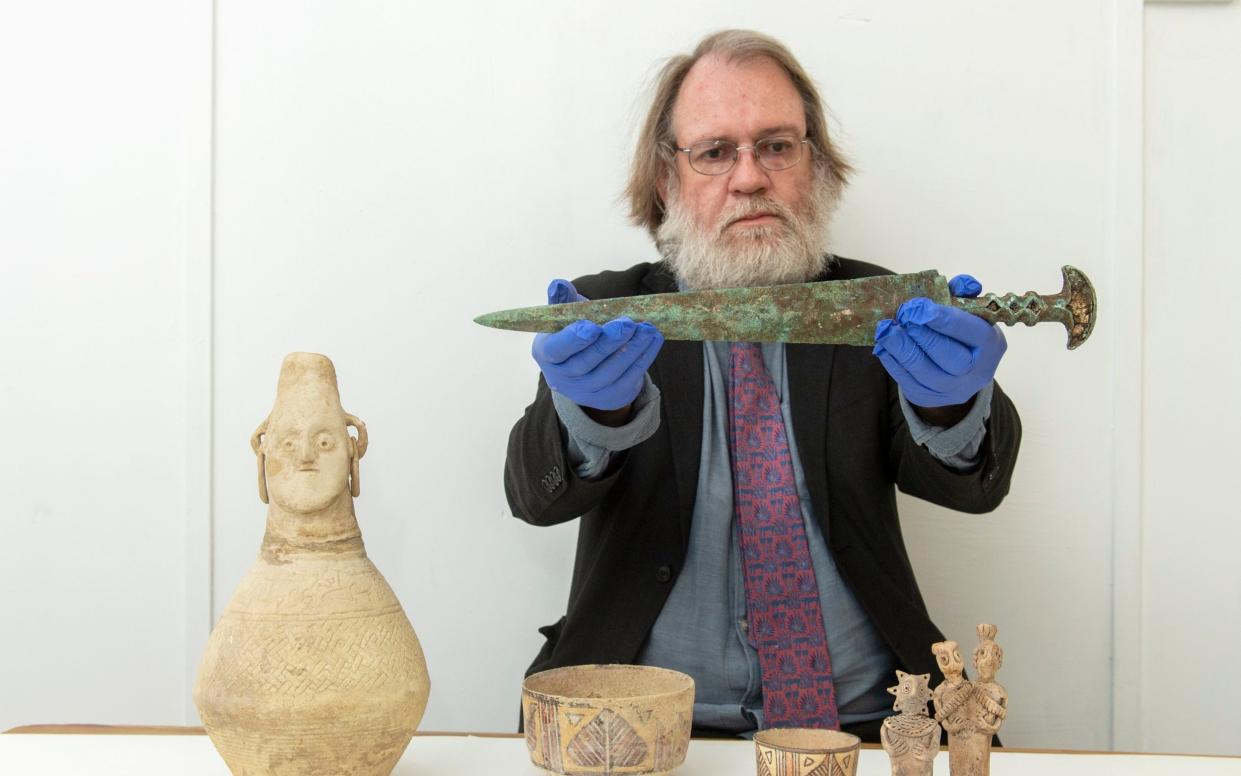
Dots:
{"x": 971, "y": 712}
{"x": 313, "y": 667}
{"x": 990, "y": 698}
{"x": 806, "y": 752}
{"x": 951, "y": 700}
{"x": 911, "y": 738}
{"x": 608, "y": 719}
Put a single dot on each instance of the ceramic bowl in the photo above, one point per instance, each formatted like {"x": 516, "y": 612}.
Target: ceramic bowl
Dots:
{"x": 806, "y": 752}
{"x": 608, "y": 719}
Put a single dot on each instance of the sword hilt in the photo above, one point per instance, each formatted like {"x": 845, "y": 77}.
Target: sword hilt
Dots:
{"x": 1074, "y": 306}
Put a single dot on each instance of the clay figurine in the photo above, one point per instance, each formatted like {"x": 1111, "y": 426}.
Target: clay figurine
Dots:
{"x": 990, "y": 698}
{"x": 313, "y": 667}
{"x": 951, "y": 699}
{"x": 971, "y": 712}
{"x": 911, "y": 738}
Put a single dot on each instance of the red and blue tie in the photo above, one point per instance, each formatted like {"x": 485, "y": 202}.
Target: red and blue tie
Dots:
{"x": 782, "y": 595}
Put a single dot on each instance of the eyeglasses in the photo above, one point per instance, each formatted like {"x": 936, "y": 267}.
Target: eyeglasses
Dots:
{"x": 716, "y": 157}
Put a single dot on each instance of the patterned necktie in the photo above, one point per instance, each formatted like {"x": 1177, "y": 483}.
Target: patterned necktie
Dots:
{"x": 782, "y": 596}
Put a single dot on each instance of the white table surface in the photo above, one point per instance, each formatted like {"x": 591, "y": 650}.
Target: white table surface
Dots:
{"x": 140, "y": 755}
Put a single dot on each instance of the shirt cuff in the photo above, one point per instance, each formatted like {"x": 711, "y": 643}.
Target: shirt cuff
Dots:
{"x": 592, "y": 444}
{"x": 956, "y": 446}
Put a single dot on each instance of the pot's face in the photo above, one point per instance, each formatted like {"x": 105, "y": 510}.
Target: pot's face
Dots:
{"x": 307, "y": 461}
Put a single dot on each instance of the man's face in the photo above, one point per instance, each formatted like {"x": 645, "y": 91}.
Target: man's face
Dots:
{"x": 744, "y": 103}
{"x": 749, "y": 226}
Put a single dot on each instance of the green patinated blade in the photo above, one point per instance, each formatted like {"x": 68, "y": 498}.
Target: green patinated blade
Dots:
{"x": 842, "y": 312}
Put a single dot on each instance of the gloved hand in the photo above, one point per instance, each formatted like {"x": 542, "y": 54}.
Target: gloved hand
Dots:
{"x": 595, "y": 366}
{"x": 940, "y": 355}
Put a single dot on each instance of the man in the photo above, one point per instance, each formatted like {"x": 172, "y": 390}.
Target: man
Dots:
{"x": 737, "y": 501}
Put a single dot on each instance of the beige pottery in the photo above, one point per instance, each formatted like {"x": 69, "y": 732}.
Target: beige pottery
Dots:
{"x": 313, "y": 667}
{"x": 608, "y": 720}
{"x": 806, "y": 752}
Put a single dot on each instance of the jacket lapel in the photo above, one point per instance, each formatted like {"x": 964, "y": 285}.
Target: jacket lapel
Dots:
{"x": 678, "y": 372}
{"x": 810, "y": 371}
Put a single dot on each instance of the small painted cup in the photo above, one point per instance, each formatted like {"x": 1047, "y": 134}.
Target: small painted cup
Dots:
{"x": 806, "y": 752}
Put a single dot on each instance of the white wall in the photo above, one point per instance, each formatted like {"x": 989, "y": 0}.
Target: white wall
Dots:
{"x": 1191, "y": 618}
{"x": 385, "y": 173}
{"x": 92, "y": 245}
{"x": 983, "y": 145}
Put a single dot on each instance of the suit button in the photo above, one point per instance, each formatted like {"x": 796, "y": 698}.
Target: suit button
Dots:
{"x": 663, "y": 574}
{"x": 552, "y": 480}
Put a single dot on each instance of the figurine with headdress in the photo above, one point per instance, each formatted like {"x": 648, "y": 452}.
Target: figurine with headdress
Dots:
{"x": 911, "y": 738}
{"x": 990, "y": 697}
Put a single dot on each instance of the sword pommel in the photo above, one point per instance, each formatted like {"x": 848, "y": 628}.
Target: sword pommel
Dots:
{"x": 1074, "y": 306}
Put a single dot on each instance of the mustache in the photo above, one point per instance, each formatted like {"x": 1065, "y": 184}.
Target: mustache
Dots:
{"x": 753, "y": 206}
{"x": 708, "y": 254}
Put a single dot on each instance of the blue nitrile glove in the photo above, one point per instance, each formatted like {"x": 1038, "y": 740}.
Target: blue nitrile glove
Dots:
{"x": 596, "y": 366}
{"x": 940, "y": 355}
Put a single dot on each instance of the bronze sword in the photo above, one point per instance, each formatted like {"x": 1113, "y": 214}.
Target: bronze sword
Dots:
{"x": 842, "y": 312}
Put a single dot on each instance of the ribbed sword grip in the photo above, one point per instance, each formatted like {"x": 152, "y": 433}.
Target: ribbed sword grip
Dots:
{"x": 1074, "y": 307}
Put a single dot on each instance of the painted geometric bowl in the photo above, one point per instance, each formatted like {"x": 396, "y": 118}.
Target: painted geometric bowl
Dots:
{"x": 806, "y": 752}
{"x": 608, "y": 719}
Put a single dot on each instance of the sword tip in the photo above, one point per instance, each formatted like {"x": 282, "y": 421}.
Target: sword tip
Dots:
{"x": 490, "y": 320}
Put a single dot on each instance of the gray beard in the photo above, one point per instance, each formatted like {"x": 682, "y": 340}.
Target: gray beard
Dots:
{"x": 793, "y": 250}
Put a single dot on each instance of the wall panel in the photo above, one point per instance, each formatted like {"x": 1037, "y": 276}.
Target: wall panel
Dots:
{"x": 92, "y": 244}
{"x": 1191, "y": 617}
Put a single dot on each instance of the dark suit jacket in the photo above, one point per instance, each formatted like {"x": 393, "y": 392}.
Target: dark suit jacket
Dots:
{"x": 855, "y": 449}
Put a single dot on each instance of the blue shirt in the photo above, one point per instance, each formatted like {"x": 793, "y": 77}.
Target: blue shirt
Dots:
{"x": 701, "y": 630}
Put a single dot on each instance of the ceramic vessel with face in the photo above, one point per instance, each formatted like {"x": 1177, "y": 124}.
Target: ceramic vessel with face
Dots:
{"x": 313, "y": 667}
